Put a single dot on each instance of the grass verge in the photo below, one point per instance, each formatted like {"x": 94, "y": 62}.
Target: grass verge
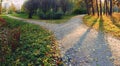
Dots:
{"x": 57, "y": 21}
{"x": 107, "y": 24}
{"x": 37, "y": 46}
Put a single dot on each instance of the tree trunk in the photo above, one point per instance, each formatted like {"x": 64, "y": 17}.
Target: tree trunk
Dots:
{"x": 30, "y": 15}
{"x": 93, "y": 12}
{"x": 97, "y": 7}
{"x": 100, "y": 8}
{"x": 106, "y": 7}
{"x": 110, "y": 13}
{"x": 86, "y": 2}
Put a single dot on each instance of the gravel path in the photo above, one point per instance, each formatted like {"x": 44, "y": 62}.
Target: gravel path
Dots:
{"x": 81, "y": 45}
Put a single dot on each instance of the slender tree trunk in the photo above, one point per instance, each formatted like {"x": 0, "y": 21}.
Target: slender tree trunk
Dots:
{"x": 30, "y": 14}
{"x": 100, "y": 8}
{"x": 86, "y": 2}
{"x": 110, "y": 13}
{"x": 93, "y": 12}
{"x": 106, "y": 7}
{"x": 97, "y": 7}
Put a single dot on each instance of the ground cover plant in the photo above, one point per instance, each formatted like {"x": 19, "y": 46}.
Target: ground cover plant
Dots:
{"x": 35, "y": 45}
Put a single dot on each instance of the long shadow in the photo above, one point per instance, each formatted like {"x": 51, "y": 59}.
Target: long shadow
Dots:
{"x": 67, "y": 58}
{"x": 88, "y": 17}
{"x": 101, "y": 24}
{"x": 102, "y": 52}
{"x": 83, "y": 37}
{"x": 91, "y": 51}
{"x": 68, "y": 30}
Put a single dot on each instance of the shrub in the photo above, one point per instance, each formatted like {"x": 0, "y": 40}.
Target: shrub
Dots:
{"x": 4, "y": 10}
{"x": 41, "y": 14}
{"x": 20, "y": 12}
{"x": 10, "y": 12}
{"x": 79, "y": 11}
{"x": 58, "y": 15}
{"x": 50, "y": 14}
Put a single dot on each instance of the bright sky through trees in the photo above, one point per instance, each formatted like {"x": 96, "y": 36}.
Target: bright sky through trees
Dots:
{"x": 17, "y": 3}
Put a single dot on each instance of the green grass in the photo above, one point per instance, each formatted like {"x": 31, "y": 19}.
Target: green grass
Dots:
{"x": 104, "y": 24}
{"x": 58, "y": 21}
{"x": 23, "y": 16}
{"x": 37, "y": 46}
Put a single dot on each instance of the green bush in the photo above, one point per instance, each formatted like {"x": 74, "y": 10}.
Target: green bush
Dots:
{"x": 79, "y": 11}
{"x": 58, "y": 15}
{"x": 50, "y": 14}
{"x": 41, "y": 14}
{"x": 10, "y": 12}
{"x": 19, "y": 12}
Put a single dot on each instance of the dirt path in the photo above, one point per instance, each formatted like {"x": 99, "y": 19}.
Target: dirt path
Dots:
{"x": 81, "y": 45}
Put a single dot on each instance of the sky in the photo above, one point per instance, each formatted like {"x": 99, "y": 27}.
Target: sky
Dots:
{"x": 17, "y": 3}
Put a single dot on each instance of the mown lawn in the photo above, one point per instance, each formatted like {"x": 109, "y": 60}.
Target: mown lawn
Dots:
{"x": 37, "y": 46}
{"x": 107, "y": 24}
{"x": 58, "y": 21}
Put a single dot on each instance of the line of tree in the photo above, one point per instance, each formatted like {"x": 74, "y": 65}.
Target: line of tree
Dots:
{"x": 45, "y": 6}
{"x": 100, "y": 7}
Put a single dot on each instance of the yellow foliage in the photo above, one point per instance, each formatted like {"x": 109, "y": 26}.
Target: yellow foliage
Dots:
{"x": 109, "y": 25}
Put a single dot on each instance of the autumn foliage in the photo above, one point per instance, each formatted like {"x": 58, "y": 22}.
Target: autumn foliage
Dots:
{"x": 15, "y": 37}
{"x": 2, "y": 22}
{"x": 9, "y": 39}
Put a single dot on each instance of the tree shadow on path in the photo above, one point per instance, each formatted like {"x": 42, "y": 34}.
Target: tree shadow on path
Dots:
{"x": 90, "y": 50}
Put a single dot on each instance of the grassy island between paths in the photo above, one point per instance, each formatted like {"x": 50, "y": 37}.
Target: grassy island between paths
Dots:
{"x": 64, "y": 19}
{"x": 37, "y": 46}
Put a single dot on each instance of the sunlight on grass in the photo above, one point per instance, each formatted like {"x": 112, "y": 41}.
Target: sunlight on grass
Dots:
{"x": 108, "y": 25}
{"x": 58, "y": 21}
{"x": 116, "y": 19}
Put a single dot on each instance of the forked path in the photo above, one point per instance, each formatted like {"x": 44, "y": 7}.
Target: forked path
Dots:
{"x": 81, "y": 45}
